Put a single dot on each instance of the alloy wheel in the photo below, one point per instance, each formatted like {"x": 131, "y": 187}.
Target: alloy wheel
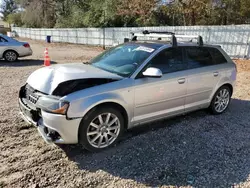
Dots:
{"x": 103, "y": 130}
{"x": 10, "y": 56}
{"x": 222, "y": 100}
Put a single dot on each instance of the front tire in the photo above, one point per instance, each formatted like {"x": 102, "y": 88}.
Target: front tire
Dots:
{"x": 10, "y": 56}
{"x": 101, "y": 128}
{"x": 221, "y": 100}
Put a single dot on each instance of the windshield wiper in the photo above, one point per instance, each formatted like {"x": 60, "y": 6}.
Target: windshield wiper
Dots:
{"x": 86, "y": 63}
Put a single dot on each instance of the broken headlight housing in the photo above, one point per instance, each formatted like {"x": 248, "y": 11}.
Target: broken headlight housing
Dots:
{"x": 53, "y": 105}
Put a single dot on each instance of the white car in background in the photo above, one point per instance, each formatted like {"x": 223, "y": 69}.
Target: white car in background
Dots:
{"x": 11, "y": 49}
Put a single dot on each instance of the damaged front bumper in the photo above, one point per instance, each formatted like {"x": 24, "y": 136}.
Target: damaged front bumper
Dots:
{"x": 54, "y": 128}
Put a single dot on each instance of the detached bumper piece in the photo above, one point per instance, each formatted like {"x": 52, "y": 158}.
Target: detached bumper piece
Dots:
{"x": 32, "y": 116}
{"x": 27, "y": 105}
{"x": 49, "y": 135}
{"x": 29, "y": 115}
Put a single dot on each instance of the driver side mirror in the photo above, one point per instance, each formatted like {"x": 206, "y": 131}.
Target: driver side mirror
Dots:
{"x": 152, "y": 72}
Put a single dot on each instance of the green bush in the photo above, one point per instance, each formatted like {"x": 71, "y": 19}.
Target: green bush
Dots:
{"x": 15, "y": 18}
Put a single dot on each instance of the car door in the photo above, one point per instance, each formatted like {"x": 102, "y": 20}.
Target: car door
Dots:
{"x": 160, "y": 97}
{"x": 3, "y": 44}
{"x": 203, "y": 76}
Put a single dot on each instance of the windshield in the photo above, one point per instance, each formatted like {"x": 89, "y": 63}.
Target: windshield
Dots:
{"x": 123, "y": 60}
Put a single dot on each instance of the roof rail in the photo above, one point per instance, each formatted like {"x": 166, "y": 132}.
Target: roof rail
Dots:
{"x": 200, "y": 41}
{"x": 165, "y": 34}
{"x": 173, "y": 41}
{"x": 145, "y": 32}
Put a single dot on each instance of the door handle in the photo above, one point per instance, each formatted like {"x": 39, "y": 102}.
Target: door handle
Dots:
{"x": 181, "y": 80}
{"x": 216, "y": 74}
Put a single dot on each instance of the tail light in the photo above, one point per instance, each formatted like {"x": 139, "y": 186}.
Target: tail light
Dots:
{"x": 26, "y": 45}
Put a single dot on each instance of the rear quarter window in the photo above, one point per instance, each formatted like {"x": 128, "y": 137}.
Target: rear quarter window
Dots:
{"x": 198, "y": 57}
{"x": 218, "y": 57}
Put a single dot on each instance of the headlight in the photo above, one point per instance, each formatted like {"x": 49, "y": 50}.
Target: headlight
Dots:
{"x": 53, "y": 104}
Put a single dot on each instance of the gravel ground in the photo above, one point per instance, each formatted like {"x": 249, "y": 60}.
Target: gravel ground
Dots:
{"x": 196, "y": 150}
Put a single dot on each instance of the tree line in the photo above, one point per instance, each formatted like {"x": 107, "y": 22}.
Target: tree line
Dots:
{"x": 124, "y": 13}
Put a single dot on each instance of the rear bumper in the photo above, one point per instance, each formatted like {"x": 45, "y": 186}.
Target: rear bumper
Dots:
{"x": 24, "y": 53}
{"x": 53, "y": 128}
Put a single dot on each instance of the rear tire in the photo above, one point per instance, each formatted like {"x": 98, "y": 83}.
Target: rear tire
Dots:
{"x": 101, "y": 128}
{"x": 221, "y": 100}
{"x": 10, "y": 56}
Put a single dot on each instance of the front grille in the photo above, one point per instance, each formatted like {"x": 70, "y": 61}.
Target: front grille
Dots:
{"x": 28, "y": 90}
{"x": 33, "y": 98}
{"x": 29, "y": 93}
{"x": 28, "y": 98}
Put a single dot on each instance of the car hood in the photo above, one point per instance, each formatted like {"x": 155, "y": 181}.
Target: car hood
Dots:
{"x": 48, "y": 78}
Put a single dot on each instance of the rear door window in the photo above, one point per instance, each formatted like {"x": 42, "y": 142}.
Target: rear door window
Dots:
{"x": 198, "y": 57}
{"x": 169, "y": 60}
{"x": 217, "y": 56}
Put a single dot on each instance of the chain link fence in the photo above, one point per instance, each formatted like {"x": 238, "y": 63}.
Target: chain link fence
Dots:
{"x": 233, "y": 39}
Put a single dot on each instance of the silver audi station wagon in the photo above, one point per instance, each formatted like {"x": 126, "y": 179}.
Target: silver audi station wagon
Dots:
{"x": 128, "y": 85}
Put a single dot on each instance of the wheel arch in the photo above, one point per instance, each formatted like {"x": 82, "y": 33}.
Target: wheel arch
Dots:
{"x": 211, "y": 106}
{"x": 79, "y": 108}
{"x": 230, "y": 87}
{"x": 13, "y": 50}
{"x": 225, "y": 84}
{"x": 103, "y": 104}
{"x": 218, "y": 87}
{"x": 115, "y": 105}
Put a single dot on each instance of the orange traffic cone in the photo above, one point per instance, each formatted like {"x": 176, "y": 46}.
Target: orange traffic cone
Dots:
{"x": 46, "y": 57}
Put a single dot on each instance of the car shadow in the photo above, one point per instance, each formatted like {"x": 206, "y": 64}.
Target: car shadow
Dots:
{"x": 197, "y": 149}
{"x": 23, "y": 63}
